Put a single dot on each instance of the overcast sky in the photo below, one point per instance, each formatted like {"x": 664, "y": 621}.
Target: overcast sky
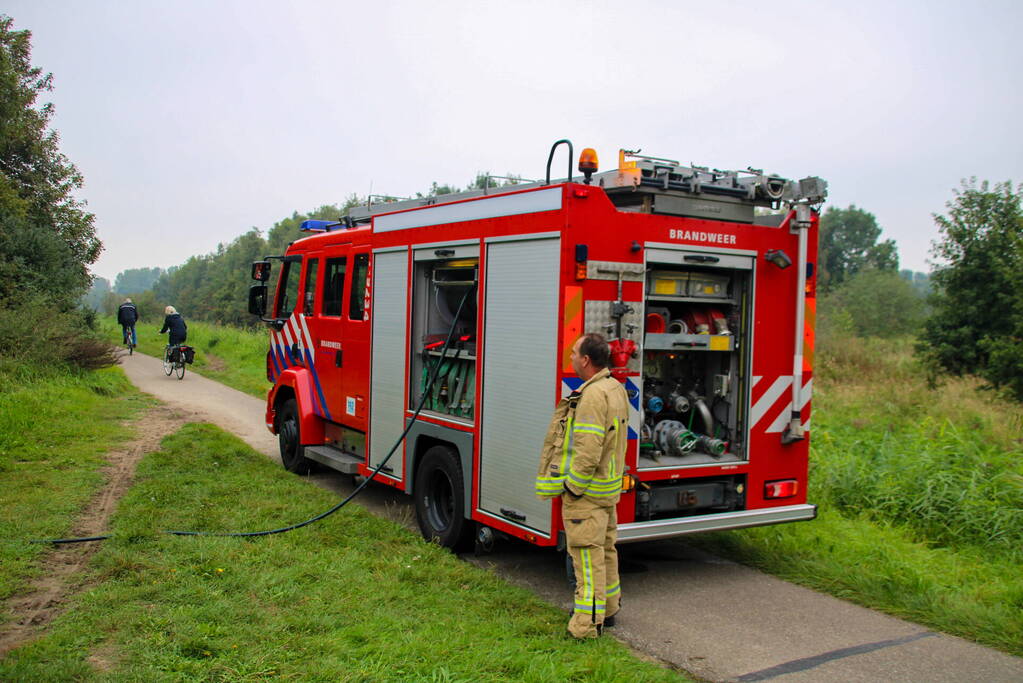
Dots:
{"x": 196, "y": 121}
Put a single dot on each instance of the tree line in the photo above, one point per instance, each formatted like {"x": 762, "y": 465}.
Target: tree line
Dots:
{"x": 853, "y": 265}
{"x": 967, "y": 314}
{"x": 213, "y": 287}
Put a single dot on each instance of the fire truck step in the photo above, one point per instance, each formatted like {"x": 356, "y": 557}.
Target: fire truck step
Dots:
{"x": 334, "y": 458}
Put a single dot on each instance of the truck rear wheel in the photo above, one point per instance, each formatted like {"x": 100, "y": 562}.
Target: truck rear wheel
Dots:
{"x": 440, "y": 494}
{"x": 289, "y": 438}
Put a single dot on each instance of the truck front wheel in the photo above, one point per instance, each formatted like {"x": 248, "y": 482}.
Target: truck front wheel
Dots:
{"x": 288, "y": 437}
{"x": 439, "y": 493}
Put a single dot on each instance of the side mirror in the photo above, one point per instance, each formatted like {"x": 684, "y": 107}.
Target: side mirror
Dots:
{"x": 261, "y": 270}
{"x": 257, "y": 300}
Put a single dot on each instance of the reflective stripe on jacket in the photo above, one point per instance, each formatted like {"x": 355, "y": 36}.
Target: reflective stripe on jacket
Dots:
{"x": 584, "y": 449}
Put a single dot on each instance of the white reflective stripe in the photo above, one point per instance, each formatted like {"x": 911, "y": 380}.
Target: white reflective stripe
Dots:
{"x": 786, "y": 415}
{"x": 277, "y": 350}
{"x": 768, "y": 399}
{"x": 288, "y": 339}
{"x": 635, "y": 423}
{"x": 296, "y": 329}
{"x": 305, "y": 334}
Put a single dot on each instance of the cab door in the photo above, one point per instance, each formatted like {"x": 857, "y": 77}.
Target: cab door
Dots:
{"x": 307, "y": 328}
{"x": 355, "y": 326}
{"x": 330, "y": 340}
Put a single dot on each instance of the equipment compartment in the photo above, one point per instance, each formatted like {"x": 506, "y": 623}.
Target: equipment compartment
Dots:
{"x": 695, "y": 365}
{"x": 439, "y": 287}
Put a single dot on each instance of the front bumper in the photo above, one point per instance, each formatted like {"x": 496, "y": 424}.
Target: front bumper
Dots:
{"x": 679, "y": 526}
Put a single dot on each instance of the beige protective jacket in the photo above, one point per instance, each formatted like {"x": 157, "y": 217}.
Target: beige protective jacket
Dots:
{"x": 584, "y": 450}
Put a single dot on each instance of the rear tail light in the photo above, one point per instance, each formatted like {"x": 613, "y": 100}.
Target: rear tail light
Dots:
{"x": 783, "y": 488}
{"x": 582, "y": 255}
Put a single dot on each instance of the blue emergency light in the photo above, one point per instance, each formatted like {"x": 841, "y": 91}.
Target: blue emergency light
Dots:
{"x": 318, "y": 226}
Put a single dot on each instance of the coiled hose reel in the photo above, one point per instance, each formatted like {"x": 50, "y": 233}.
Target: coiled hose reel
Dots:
{"x": 674, "y": 438}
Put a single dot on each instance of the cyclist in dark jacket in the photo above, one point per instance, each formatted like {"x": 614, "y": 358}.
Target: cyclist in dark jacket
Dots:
{"x": 127, "y": 316}
{"x": 174, "y": 324}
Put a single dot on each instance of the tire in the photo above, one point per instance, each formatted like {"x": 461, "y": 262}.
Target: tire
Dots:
{"x": 180, "y": 367}
{"x": 439, "y": 494}
{"x": 289, "y": 438}
{"x": 168, "y": 366}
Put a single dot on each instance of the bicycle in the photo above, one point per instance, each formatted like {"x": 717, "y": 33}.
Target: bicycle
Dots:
{"x": 129, "y": 338}
{"x": 174, "y": 361}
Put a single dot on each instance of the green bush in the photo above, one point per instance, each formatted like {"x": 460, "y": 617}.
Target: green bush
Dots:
{"x": 1004, "y": 364}
{"x": 977, "y": 323}
{"x": 34, "y": 332}
{"x": 873, "y": 303}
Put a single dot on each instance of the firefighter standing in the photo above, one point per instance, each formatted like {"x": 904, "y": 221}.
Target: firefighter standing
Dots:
{"x": 582, "y": 462}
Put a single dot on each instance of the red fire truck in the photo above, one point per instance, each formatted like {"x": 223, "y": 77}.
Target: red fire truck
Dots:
{"x": 702, "y": 280}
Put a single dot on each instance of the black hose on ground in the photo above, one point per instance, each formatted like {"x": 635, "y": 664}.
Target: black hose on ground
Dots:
{"x": 358, "y": 489}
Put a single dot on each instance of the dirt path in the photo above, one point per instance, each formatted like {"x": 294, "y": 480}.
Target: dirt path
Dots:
{"x": 719, "y": 620}
{"x": 62, "y": 566}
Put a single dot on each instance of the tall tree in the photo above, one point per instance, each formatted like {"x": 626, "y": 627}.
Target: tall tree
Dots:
{"x": 977, "y": 320}
{"x": 96, "y": 295}
{"x": 848, "y": 244}
{"x": 47, "y": 239}
{"x": 135, "y": 280}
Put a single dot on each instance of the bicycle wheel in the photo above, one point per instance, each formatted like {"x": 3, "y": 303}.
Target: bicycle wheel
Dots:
{"x": 180, "y": 367}
{"x": 168, "y": 366}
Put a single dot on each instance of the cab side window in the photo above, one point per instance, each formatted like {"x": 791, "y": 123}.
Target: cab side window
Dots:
{"x": 357, "y": 302}
{"x": 287, "y": 289}
{"x": 312, "y": 267}
{"x": 334, "y": 285}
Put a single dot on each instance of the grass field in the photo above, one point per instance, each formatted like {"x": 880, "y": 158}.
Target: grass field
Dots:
{"x": 920, "y": 492}
{"x": 55, "y": 426}
{"x": 352, "y": 598}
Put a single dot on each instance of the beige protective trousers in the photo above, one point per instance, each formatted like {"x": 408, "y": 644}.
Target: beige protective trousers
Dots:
{"x": 590, "y": 532}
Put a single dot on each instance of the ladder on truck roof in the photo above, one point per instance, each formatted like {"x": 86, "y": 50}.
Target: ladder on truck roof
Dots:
{"x": 650, "y": 184}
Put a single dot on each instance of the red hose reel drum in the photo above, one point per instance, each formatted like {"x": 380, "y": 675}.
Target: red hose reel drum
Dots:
{"x": 655, "y": 323}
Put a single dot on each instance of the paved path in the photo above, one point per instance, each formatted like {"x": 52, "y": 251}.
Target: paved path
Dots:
{"x": 718, "y": 620}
